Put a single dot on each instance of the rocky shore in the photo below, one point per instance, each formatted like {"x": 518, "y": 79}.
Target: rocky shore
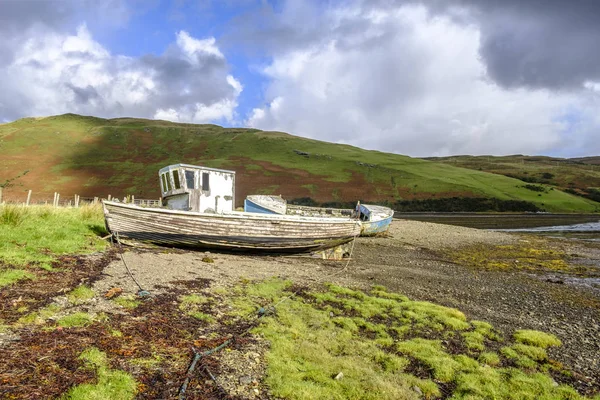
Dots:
{"x": 416, "y": 259}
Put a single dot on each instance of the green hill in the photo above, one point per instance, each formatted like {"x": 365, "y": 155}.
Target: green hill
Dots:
{"x": 91, "y": 156}
{"x": 579, "y": 176}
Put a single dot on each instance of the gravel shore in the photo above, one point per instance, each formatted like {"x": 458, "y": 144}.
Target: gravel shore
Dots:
{"x": 413, "y": 259}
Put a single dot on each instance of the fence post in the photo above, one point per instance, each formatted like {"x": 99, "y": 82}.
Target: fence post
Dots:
{"x": 76, "y": 200}
{"x": 109, "y": 197}
{"x": 28, "y": 198}
{"x": 57, "y": 199}
{"x": 95, "y": 200}
{"x": 132, "y": 199}
{"x": 54, "y": 200}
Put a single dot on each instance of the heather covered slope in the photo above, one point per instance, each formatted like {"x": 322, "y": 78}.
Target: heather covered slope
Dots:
{"x": 90, "y": 156}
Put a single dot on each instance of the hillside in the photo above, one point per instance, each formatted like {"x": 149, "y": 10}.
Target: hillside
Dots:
{"x": 580, "y": 176}
{"x": 91, "y": 156}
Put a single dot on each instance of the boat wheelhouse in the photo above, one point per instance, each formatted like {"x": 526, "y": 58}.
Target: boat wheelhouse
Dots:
{"x": 194, "y": 188}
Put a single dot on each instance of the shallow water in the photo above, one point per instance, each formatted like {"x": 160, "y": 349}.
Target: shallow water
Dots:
{"x": 589, "y": 231}
{"x": 579, "y": 228}
{"x": 574, "y": 226}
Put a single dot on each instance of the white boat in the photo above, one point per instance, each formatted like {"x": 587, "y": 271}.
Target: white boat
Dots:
{"x": 198, "y": 212}
{"x": 374, "y": 219}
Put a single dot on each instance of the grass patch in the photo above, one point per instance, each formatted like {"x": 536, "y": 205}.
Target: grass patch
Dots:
{"x": 41, "y": 315}
{"x": 75, "y": 320}
{"x": 536, "y": 338}
{"x": 111, "y": 384}
{"x": 431, "y": 353}
{"x": 489, "y": 358}
{"x": 193, "y": 304}
{"x": 128, "y": 301}
{"x": 43, "y": 232}
{"x": 80, "y": 294}
{"x": 11, "y": 215}
{"x": 201, "y": 316}
{"x": 8, "y": 277}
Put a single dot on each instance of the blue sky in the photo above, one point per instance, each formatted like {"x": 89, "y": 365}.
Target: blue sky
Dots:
{"x": 406, "y": 76}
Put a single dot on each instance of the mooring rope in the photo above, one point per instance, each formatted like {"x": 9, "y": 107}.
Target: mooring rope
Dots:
{"x": 141, "y": 292}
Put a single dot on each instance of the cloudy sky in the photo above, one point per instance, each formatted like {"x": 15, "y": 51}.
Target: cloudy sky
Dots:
{"x": 421, "y": 78}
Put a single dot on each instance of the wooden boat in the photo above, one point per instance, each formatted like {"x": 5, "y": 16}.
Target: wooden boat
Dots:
{"x": 374, "y": 219}
{"x": 187, "y": 189}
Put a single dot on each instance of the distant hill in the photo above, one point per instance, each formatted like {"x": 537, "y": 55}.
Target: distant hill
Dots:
{"x": 587, "y": 160}
{"x": 579, "y": 176}
{"x": 90, "y": 156}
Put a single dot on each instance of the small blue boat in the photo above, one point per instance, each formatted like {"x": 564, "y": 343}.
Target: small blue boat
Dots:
{"x": 374, "y": 219}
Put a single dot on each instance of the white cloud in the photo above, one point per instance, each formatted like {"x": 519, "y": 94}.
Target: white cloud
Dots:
{"x": 194, "y": 47}
{"x": 54, "y": 73}
{"x": 410, "y": 83}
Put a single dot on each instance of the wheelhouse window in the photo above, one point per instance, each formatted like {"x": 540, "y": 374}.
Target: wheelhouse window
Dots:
{"x": 166, "y": 182}
{"x": 205, "y": 182}
{"x": 176, "y": 179}
{"x": 189, "y": 179}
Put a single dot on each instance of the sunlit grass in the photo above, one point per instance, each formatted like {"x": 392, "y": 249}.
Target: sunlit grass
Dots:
{"x": 38, "y": 234}
{"x": 111, "y": 384}
{"x": 127, "y": 301}
{"x": 80, "y": 295}
{"x": 342, "y": 343}
{"x": 10, "y": 276}
{"x": 75, "y": 320}
{"x": 192, "y": 306}
{"x": 536, "y": 338}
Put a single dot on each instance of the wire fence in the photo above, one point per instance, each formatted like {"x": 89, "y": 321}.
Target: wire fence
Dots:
{"x": 75, "y": 200}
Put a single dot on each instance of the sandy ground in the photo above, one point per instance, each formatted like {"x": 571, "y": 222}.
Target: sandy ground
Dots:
{"x": 409, "y": 260}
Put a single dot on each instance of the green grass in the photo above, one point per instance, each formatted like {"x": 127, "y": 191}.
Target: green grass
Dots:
{"x": 40, "y": 316}
{"x": 75, "y": 320}
{"x": 43, "y": 233}
{"x": 11, "y": 276}
{"x": 124, "y": 157}
{"x": 376, "y": 339}
{"x": 536, "y": 338}
{"x": 127, "y": 301}
{"x": 192, "y": 305}
{"x": 80, "y": 294}
{"x": 557, "y": 172}
{"x": 111, "y": 384}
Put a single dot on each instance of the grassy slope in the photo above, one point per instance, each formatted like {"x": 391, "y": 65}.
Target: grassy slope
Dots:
{"x": 96, "y": 157}
{"x": 581, "y": 173}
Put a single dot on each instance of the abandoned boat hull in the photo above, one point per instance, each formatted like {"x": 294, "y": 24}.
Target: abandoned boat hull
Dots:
{"x": 375, "y": 219}
{"x": 370, "y": 228}
{"x": 230, "y": 231}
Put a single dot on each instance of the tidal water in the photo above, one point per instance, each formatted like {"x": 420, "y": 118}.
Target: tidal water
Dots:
{"x": 589, "y": 231}
{"x": 575, "y": 226}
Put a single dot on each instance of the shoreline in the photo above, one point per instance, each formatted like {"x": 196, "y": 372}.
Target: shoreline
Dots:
{"x": 414, "y": 260}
